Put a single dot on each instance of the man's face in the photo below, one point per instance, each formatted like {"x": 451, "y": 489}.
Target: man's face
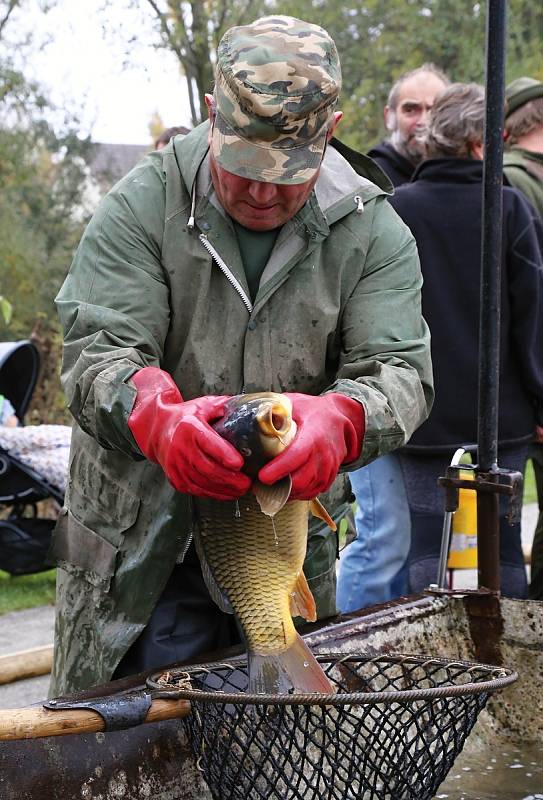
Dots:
{"x": 409, "y": 120}
{"x": 258, "y": 205}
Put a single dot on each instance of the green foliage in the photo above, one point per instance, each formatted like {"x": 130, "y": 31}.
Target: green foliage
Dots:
{"x": 192, "y": 29}
{"x": 42, "y": 182}
{"x": 6, "y": 310}
{"x": 378, "y": 40}
{"x": 530, "y": 491}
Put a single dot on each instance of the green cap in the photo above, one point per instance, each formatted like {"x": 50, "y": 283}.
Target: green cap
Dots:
{"x": 276, "y": 87}
{"x": 521, "y": 91}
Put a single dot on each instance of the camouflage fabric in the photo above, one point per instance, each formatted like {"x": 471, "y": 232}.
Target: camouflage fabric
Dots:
{"x": 277, "y": 84}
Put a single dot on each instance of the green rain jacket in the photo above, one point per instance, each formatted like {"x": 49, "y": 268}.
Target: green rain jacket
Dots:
{"x": 158, "y": 281}
{"x": 524, "y": 170}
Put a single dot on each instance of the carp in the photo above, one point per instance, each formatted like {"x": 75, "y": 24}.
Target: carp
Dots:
{"x": 252, "y": 551}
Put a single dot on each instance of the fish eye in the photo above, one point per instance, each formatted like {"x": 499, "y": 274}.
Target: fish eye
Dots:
{"x": 245, "y": 451}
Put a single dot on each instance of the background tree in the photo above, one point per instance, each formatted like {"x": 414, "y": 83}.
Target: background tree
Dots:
{"x": 377, "y": 41}
{"x": 192, "y": 30}
{"x": 43, "y": 177}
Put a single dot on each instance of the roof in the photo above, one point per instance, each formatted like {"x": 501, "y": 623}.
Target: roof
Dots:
{"x": 110, "y": 162}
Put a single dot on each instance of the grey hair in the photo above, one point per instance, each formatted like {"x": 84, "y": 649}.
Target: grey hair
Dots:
{"x": 524, "y": 120}
{"x": 394, "y": 93}
{"x": 456, "y": 121}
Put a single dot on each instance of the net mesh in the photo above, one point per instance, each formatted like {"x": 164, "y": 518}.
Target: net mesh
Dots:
{"x": 391, "y": 731}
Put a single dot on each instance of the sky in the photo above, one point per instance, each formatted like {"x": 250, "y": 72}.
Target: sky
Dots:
{"x": 114, "y": 93}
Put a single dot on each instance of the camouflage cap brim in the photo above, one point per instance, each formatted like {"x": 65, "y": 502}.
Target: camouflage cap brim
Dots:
{"x": 262, "y": 160}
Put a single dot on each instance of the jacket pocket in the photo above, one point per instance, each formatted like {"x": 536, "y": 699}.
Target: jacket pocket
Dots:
{"x": 90, "y": 548}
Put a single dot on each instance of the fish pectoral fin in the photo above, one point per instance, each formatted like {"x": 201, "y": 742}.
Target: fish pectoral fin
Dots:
{"x": 271, "y": 499}
{"x": 302, "y": 602}
{"x": 318, "y": 510}
{"x": 217, "y": 595}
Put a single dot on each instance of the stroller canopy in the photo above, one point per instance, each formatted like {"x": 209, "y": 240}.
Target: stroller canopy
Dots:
{"x": 19, "y": 368}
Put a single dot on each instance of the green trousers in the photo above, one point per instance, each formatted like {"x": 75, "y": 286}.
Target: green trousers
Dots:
{"x": 536, "y": 583}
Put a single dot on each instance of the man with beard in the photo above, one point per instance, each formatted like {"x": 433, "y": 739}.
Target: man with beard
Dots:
{"x": 406, "y": 114}
{"x": 374, "y": 567}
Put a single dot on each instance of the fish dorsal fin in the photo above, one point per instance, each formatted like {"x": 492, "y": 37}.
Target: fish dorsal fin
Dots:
{"x": 271, "y": 499}
{"x": 318, "y": 510}
{"x": 302, "y": 602}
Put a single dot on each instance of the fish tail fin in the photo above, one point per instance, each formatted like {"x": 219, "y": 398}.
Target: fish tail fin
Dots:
{"x": 294, "y": 669}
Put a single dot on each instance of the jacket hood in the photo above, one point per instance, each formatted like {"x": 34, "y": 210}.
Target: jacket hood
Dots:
{"x": 517, "y": 156}
{"x": 386, "y": 153}
{"x": 450, "y": 170}
{"x": 345, "y": 174}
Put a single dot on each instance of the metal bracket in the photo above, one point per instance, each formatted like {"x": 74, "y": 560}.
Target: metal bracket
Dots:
{"x": 119, "y": 711}
{"x": 497, "y": 481}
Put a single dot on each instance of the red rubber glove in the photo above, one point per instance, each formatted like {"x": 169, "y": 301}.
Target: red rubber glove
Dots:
{"x": 330, "y": 433}
{"x": 178, "y": 436}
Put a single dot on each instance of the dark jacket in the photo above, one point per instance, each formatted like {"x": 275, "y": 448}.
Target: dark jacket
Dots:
{"x": 396, "y": 166}
{"x": 442, "y": 206}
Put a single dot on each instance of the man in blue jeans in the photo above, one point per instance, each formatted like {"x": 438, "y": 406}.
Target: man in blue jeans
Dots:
{"x": 373, "y": 568}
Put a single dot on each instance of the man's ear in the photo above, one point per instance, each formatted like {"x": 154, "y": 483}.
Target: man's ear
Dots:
{"x": 390, "y": 118}
{"x": 477, "y": 150}
{"x": 210, "y": 103}
{"x": 333, "y": 125}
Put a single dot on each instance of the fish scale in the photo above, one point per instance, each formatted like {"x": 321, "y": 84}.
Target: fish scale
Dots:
{"x": 239, "y": 548}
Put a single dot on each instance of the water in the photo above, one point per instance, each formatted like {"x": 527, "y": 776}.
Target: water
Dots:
{"x": 499, "y": 773}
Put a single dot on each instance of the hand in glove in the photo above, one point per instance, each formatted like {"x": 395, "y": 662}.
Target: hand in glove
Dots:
{"x": 178, "y": 436}
{"x": 330, "y": 433}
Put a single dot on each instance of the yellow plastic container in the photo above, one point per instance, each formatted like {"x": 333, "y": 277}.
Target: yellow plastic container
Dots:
{"x": 463, "y": 550}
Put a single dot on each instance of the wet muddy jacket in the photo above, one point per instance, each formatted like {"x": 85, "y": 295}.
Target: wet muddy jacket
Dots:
{"x": 338, "y": 309}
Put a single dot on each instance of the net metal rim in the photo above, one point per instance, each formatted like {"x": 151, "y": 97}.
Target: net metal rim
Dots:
{"x": 499, "y": 678}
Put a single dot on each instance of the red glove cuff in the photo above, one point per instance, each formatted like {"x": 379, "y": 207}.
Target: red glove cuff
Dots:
{"x": 152, "y": 381}
{"x": 155, "y": 389}
{"x": 354, "y": 432}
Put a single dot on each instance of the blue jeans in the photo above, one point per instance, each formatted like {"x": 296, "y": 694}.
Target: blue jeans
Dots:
{"x": 373, "y": 568}
{"x": 426, "y": 501}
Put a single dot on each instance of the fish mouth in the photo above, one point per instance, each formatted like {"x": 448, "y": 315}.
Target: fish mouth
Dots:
{"x": 275, "y": 420}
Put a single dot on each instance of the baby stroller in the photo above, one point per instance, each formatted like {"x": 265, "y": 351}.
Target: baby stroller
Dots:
{"x": 24, "y": 536}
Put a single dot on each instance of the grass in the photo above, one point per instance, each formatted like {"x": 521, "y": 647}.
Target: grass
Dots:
{"x": 530, "y": 495}
{"x": 28, "y": 591}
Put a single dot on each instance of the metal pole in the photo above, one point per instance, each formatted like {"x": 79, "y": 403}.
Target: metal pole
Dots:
{"x": 491, "y": 256}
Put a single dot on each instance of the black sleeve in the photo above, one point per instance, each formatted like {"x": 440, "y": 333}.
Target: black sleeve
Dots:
{"x": 525, "y": 266}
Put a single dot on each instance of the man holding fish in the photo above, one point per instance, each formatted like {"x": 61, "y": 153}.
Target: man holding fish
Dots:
{"x": 254, "y": 256}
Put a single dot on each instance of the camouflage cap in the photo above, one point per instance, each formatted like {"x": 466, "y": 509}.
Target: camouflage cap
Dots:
{"x": 276, "y": 88}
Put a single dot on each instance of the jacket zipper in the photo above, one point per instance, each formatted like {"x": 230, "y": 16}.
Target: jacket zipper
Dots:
{"x": 225, "y": 269}
{"x": 181, "y": 556}
{"x": 182, "y": 553}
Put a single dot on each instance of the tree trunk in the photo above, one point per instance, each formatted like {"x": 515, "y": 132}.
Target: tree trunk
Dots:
{"x": 203, "y": 74}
